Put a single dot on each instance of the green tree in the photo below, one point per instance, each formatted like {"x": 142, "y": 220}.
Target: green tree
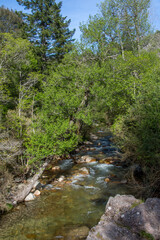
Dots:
{"x": 120, "y": 25}
{"x": 10, "y": 22}
{"x": 17, "y": 64}
{"x": 47, "y": 28}
{"x": 68, "y": 107}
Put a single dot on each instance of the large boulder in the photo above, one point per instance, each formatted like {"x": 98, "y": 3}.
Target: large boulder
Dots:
{"x": 126, "y": 218}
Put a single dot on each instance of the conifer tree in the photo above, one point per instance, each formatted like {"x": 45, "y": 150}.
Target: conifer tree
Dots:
{"x": 47, "y": 28}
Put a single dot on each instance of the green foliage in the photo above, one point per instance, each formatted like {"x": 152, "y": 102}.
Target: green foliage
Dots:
{"x": 47, "y": 29}
{"x": 139, "y": 129}
{"x": 17, "y": 81}
{"x": 65, "y": 109}
{"x": 10, "y": 22}
{"x": 135, "y": 204}
{"x": 119, "y": 25}
{"x": 146, "y": 235}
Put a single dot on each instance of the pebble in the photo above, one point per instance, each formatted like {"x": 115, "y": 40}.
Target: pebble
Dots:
{"x": 107, "y": 180}
{"x": 37, "y": 193}
{"x": 61, "y": 179}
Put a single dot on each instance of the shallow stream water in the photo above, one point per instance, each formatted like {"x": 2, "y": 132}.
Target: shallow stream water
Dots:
{"x": 57, "y": 212}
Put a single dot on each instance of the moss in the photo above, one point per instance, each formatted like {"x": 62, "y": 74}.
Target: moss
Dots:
{"x": 146, "y": 235}
{"x": 9, "y": 207}
{"x": 135, "y": 204}
{"x": 98, "y": 235}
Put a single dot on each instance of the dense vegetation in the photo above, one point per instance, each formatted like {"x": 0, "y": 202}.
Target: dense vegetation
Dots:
{"x": 53, "y": 90}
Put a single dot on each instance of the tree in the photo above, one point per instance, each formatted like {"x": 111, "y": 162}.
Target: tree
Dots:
{"x": 10, "y": 22}
{"x": 17, "y": 81}
{"x": 120, "y": 24}
{"x": 62, "y": 36}
{"x": 139, "y": 11}
{"x": 67, "y": 107}
{"x": 47, "y": 28}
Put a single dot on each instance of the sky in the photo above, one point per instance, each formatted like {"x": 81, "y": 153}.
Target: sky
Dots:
{"x": 79, "y": 11}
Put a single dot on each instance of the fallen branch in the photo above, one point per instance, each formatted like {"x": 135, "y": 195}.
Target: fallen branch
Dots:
{"x": 22, "y": 193}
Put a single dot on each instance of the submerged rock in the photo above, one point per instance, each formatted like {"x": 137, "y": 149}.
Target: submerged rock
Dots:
{"x": 79, "y": 233}
{"x": 126, "y": 218}
{"x": 109, "y": 160}
{"x": 84, "y": 171}
{"x": 48, "y": 187}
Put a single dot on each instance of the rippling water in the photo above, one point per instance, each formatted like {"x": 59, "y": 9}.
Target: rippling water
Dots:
{"x": 57, "y": 212}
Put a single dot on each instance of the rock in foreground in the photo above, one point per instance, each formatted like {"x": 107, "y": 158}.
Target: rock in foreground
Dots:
{"x": 126, "y": 218}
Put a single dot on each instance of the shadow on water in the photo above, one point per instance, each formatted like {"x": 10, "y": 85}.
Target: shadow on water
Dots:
{"x": 79, "y": 205}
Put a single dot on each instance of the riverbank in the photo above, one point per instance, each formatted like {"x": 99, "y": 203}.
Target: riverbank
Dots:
{"x": 74, "y": 193}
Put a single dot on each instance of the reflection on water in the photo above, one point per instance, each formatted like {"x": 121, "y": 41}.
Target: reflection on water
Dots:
{"x": 56, "y": 213}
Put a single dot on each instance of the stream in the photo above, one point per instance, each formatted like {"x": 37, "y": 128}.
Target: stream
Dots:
{"x": 68, "y": 207}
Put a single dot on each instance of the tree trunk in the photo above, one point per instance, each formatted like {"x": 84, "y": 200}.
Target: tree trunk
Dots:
{"x": 21, "y": 194}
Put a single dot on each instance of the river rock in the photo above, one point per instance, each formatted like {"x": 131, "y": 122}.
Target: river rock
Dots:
{"x": 29, "y": 197}
{"x": 79, "y": 173}
{"x": 88, "y": 143}
{"x": 56, "y": 168}
{"x": 109, "y": 160}
{"x": 86, "y": 159}
{"x": 90, "y": 149}
{"x": 93, "y": 136}
{"x": 107, "y": 180}
{"x": 61, "y": 179}
{"x": 37, "y": 193}
{"x": 84, "y": 171}
{"x": 79, "y": 233}
{"x": 48, "y": 187}
{"x": 126, "y": 218}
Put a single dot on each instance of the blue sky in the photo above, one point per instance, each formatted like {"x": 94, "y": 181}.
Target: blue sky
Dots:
{"x": 79, "y": 11}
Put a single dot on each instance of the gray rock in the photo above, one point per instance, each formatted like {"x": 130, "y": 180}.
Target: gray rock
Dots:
{"x": 144, "y": 217}
{"x": 126, "y": 218}
{"x": 111, "y": 231}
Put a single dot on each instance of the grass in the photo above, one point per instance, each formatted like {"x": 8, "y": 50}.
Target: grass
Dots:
{"x": 146, "y": 235}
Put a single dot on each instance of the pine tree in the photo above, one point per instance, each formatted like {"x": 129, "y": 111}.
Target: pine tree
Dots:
{"x": 62, "y": 36}
{"x": 47, "y": 28}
